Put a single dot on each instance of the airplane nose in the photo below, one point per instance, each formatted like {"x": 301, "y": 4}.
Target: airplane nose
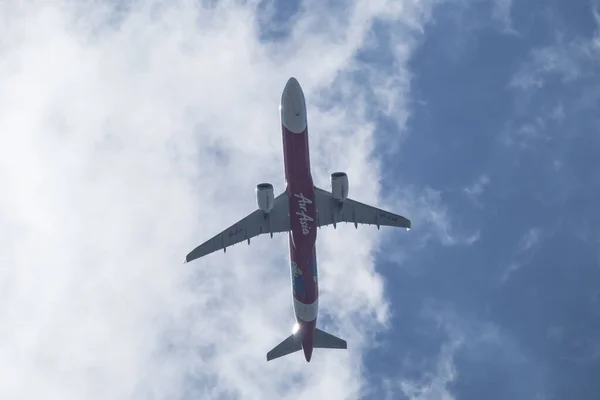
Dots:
{"x": 293, "y": 107}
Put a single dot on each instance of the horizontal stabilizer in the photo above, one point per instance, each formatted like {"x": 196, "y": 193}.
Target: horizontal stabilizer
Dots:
{"x": 290, "y": 345}
{"x": 324, "y": 340}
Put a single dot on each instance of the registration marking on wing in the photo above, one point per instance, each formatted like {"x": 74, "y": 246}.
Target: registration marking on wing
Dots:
{"x": 235, "y": 232}
{"x": 388, "y": 217}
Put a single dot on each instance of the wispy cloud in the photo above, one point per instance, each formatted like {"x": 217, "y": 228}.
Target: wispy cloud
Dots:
{"x": 470, "y": 344}
{"x": 435, "y": 384}
{"x": 474, "y": 191}
{"x": 501, "y": 12}
{"x": 131, "y": 137}
{"x": 437, "y": 375}
{"x": 432, "y": 223}
{"x": 433, "y": 219}
{"x": 544, "y": 86}
{"x": 563, "y": 60}
{"x": 526, "y": 135}
{"x": 530, "y": 239}
{"x": 524, "y": 252}
{"x": 568, "y": 59}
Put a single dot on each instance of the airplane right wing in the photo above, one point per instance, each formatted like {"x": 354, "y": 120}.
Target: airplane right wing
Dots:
{"x": 330, "y": 212}
{"x": 257, "y": 223}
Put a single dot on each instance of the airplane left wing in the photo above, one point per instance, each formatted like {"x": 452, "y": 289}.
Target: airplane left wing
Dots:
{"x": 330, "y": 212}
{"x": 257, "y": 223}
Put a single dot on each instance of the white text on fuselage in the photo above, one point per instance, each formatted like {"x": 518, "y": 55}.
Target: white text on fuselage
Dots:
{"x": 304, "y": 219}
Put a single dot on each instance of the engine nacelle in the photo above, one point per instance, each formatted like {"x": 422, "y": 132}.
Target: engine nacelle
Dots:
{"x": 265, "y": 196}
{"x": 339, "y": 186}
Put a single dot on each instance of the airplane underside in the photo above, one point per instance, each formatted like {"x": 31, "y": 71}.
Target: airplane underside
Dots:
{"x": 299, "y": 211}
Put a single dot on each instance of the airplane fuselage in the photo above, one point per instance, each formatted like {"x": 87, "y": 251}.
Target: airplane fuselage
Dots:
{"x": 295, "y": 211}
{"x": 303, "y": 213}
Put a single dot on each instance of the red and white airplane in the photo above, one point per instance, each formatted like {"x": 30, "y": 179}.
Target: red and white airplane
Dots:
{"x": 300, "y": 210}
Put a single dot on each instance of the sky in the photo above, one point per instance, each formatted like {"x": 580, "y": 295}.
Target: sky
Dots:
{"x": 133, "y": 132}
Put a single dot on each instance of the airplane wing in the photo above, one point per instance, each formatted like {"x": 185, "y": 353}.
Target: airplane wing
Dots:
{"x": 257, "y": 223}
{"x": 330, "y": 211}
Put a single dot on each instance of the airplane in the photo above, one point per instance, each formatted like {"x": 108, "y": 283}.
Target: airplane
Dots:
{"x": 300, "y": 210}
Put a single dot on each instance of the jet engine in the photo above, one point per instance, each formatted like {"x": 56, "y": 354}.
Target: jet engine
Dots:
{"x": 339, "y": 186}
{"x": 265, "y": 196}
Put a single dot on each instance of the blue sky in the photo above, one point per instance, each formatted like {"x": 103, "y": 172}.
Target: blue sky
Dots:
{"x": 134, "y": 133}
{"x": 515, "y": 163}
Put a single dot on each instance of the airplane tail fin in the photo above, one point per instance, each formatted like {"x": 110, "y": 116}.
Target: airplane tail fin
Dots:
{"x": 324, "y": 340}
{"x": 290, "y": 345}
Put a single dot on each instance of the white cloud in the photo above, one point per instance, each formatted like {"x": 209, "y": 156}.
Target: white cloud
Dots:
{"x": 470, "y": 344}
{"x": 435, "y": 385}
{"x": 474, "y": 191}
{"x": 544, "y": 112}
{"x": 436, "y": 375}
{"x": 501, "y": 12}
{"x": 530, "y": 239}
{"x": 434, "y": 220}
{"x": 563, "y": 60}
{"x": 125, "y": 145}
{"x": 526, "y": 135}
{"x": 524, "y": 253}
{"x": 568, "y": 60}
{"x": 536, "y": 126}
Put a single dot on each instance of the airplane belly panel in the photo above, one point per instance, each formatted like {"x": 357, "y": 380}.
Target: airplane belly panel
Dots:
{"x": 304, "y": 277}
